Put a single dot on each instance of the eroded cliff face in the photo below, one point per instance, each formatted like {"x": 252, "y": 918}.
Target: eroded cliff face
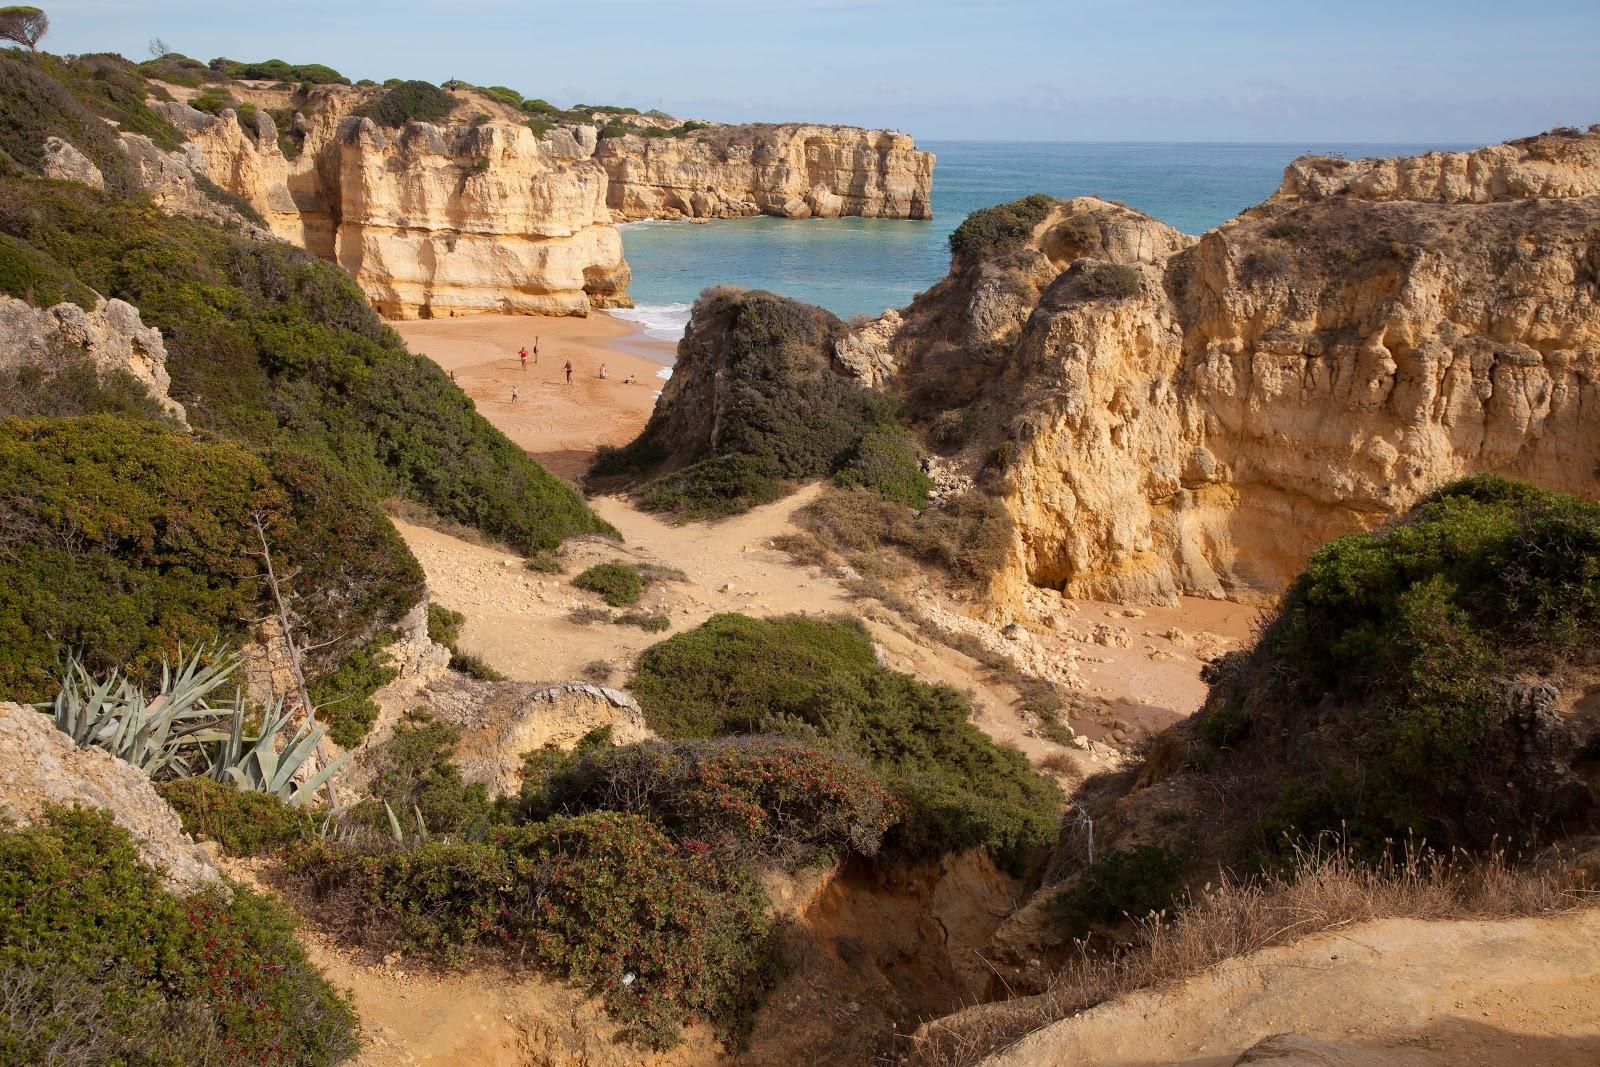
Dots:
{"x": 430, "y": 220}
{"x": 792, "y": 171}
{"x": 480, "y": 214}
{"x": 1166, "y": 416}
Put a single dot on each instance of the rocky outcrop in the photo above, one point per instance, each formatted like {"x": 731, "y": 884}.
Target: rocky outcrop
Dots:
{"x": 1562, "y": 164}
{"x": 39, "y": 766}
{"x": 431, "y": 220}
{"x": 480, "y": 214}
{"x": 503, "y": 721}
{"x": 111, "y": 337}
{"x": 1396, "y": 993}
{"x": 64, "y": 163}
{"x": 792, "y": 171}
{"x": 1164, "y": 416}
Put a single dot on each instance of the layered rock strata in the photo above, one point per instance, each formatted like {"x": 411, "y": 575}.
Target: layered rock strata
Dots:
{"x": 792, "y": 171}
{"x": 1164, "y": 415}
{"x": 479, "y": 214}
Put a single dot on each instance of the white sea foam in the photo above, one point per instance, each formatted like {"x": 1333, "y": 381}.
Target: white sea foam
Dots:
{"x": 664, "y": 372}
{"x": 665, "y": 322}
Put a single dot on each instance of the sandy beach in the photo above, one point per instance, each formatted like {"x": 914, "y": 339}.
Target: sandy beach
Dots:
{"x": 560, "y": 424}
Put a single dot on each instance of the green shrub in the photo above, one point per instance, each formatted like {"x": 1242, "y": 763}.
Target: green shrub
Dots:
{"x": 509, "y": 97}
{"x": 412, "y": 772}
{"x": 1123, "y": 884}
{"x": 279, "y": 71}
{"x": 35, "y": 105}
{"x": 270, "y": 346}
{"x": 104, "y": 962}
{"x": 179, "y": 69}
{"x": 595, "y": 898}
{"x": 444, "y": 625}
{"x": 1396, "y": 648}
{"x": 819, "y": 679}
{"x": 214, "y": 102}
{"x": 129, "y": 541}
{"x": 407, "y": 102}
{"x": 618, "y": 584}
{"x": 343, "y": 698}
{"x": 716, "y": 488}
{"x": 30, "y": 275}
{"x": 887, "y": 461}
{"x": 760, "y": 798}
{"x": 241, "y": 823}
{"x": 996, "y": 230}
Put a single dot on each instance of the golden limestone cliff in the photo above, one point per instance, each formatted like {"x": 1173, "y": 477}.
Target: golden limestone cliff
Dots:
{"x": 1164, "y": 415}
{"x": 429, "y": 219}
{"x": 481, "y": 214}
{"x": 793, "y": 171}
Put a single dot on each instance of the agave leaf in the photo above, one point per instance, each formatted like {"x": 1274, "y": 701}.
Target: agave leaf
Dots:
{"x": 394, "y": 824}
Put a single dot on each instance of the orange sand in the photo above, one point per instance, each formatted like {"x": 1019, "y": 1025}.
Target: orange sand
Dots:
{"x": 559, "y": 424}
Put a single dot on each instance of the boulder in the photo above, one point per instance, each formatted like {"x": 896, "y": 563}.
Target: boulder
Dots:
{"x": 40, "y": 765}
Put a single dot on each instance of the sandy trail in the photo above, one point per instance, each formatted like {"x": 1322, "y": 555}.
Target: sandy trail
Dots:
{"x": 1143, "y": 663}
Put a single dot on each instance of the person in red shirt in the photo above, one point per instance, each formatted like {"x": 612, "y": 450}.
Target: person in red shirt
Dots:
{"x": 522, "y": 354}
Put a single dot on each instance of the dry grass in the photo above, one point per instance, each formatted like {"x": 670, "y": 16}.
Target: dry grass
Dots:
{"x": 1327, "y": 889}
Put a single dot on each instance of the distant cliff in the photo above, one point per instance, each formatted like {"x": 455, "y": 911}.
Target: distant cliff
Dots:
{"x": 793, "y": 171}
{"x": 480, "y": 213}
{"x": 1166, "y": 415}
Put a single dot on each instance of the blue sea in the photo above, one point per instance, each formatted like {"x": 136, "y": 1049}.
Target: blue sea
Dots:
{"x": 862, "y": 266}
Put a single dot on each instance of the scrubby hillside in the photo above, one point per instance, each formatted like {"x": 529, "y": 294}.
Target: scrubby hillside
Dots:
{"x": 126, "y": 541}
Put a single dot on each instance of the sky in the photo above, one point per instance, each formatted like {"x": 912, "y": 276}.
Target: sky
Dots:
{"x": 1107, "y": 70}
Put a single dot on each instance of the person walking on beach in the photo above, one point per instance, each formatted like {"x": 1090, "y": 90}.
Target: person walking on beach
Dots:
{"x": 513, "y": 394}
{"x": 535, "y": 350}
{"x": 569, "y": 372}
{"x": 522, "y": 354}
{"x": 603, "y": 374}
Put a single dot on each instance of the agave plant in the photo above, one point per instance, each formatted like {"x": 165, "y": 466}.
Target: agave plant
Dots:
{"x": 179, "y": 734}
{"x": 255, "y": 765}
{"x": 165, "y": 736}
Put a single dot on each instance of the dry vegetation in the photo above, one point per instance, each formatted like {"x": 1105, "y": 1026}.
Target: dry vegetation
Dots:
{"x": 1327, "y": 888}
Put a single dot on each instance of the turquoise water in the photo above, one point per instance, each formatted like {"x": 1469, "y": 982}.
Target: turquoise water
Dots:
{"x": 861, "y": 266}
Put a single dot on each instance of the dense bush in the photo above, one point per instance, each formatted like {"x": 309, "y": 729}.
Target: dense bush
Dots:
{"x": 242, "y": 823}
{"x": 818, "y": 679}
{"x": 1400, "y": 644}
{"x": 101, "y": 964}
{"x": 759, "y": 798}
{"x": 271, "y": 346}
{"x": 597, "y": 898}
{"x": 278, "y": 70}
{"x": 412, "y": 771}
{"x": 179, "y": 69}
{"x": 995, "y": 230}
{"x": 409, "y": 101}
{"x": 28, "y": 274}
{"x": 343, "y": 697}
{"x": 780, "y": 411}
{"x": 618, "y": 584}
{"x": 1123, "y": 884}
{"x": 127, "y": 541}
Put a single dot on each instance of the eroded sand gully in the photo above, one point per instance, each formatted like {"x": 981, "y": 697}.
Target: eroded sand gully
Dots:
{"x": 1140, "y": 665}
